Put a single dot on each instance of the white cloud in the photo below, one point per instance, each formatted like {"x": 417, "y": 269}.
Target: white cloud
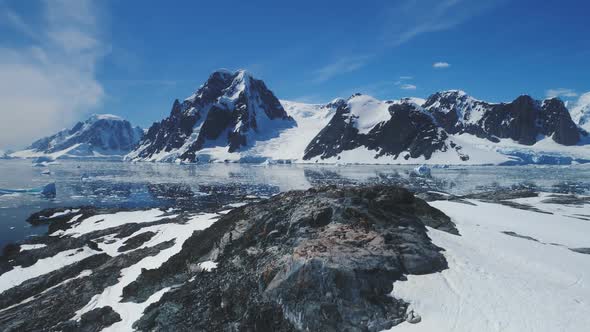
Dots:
{"x": 440, "y": 65}
{"x": 340, "y": 66}
{"x": 411, "y": 18}
{"x": 405, "y": 78}
{"x": 49, "y": 82}
{"x": 408, "y": 87}
{"x": 560, "y": 92}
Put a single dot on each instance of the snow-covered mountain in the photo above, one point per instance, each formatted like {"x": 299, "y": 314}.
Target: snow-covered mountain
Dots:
{"x": 230, "y": 113}
{"x": 392, "y": 128}
{"x": 102, "y": 135}
{"x": 450, "y": 127}
{"x": 235, "y": 117}
{"x": 523, "y": 120}
{"x": 581, "y": 111}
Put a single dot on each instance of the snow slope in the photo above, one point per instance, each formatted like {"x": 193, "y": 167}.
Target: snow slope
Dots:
{"x": 289, "y": 143}
{"x": 499, "y": 282}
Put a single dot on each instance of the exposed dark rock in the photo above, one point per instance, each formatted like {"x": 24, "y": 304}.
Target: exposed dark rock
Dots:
{"x": 136, "y": 241}
{"x": 503, "y": 194}
{"x": 566, "y": 199}
{"x": 581, "y": 250}
{"x": 93, "y": 321}
{"x": 557, "y": 122}
{"x": 322, "y": 259}
{"x": 520, "y": 236}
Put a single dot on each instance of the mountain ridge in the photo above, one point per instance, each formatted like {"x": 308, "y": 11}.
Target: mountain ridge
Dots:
{"x": 235, "y": 117}
{"x": 101, "y": 135}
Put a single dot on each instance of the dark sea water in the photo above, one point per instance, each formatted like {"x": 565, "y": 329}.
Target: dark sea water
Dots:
{"x": 142, "y": 185}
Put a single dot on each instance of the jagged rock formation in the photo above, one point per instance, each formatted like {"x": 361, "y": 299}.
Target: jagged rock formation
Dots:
{"x": 230, "y": 110}
{"x": 415, "y": 129}
{"x": 322, "y": 259}
{"x": 521, "y": 120}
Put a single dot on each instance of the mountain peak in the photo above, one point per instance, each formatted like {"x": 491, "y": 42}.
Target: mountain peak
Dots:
{"x": 231, "y": 109}
{"x": 108, "y": 117}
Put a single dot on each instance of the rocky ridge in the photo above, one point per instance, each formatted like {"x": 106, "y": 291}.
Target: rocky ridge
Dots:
{"x": 320, "y": 259}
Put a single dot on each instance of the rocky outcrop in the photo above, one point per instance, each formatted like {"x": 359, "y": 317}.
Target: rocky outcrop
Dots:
{"x": 231, "y": 110}
{"x": 322, "y": 259}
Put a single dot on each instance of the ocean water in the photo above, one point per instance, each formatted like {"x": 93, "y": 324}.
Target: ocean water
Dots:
{"x": 202, "y": 186}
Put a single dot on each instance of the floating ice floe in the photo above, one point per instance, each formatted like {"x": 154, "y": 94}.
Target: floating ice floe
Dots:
{"x": 422, "y": 170}
{"x": 48, "y": 190}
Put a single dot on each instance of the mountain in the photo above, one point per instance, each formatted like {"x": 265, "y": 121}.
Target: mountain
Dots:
{"x": 102, "y": 135}
{"x": 390, "y": 128}
{"x": 523, "y": 120}
{"x": 234, "y": 117}
{"x": 449, "y": 127}
{"x": 230, "y": 112}
{"x": 581, "y": 111}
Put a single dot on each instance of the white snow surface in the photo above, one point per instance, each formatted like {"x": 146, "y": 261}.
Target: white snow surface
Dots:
{"x": 61, "y": 213}
{"x": 366, "y": 112}
{"x": 19, "y": 274}
{"x": 24, "y": 247}
{"x": 111, "y": 296}
{"x": 104, "y": 221}
{"x": 208, "y": 266}
{"x": 581, "y": 111}
{"x": 497, "y": 282}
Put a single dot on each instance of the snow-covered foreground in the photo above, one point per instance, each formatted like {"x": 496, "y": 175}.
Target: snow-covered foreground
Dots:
{"x": 499, "y": 282}
{"x": 111, "y": 296}
{"x": 18, "y": 275}
{"x": 177, "y": 231}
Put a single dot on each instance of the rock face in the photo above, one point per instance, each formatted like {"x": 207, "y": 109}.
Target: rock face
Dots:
{"x": 232, "y": 110}
{"x": 522, "y": 120}
{"x": 319, "y": 260}
{"x": 402, "y": 128}
{"x": 101, "y": 133}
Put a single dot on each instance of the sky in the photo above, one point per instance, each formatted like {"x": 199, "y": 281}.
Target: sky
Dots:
{"x": 62, "y": 60}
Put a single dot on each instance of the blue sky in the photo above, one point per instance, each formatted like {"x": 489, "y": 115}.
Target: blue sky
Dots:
{"x": 63, "y": 59}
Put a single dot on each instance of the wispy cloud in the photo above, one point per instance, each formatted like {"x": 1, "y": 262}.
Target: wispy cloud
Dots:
{"x": 441, "y": 65}
{"x": 405, "y": 78}
{"x": 406, "y": 20}
{"x": 560, "y": 92}
{"x": 340, "y": 66}
{"x": 408, "y": 87}
{"x": 49, "y": 81}
{"x": 411, "y": 18}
